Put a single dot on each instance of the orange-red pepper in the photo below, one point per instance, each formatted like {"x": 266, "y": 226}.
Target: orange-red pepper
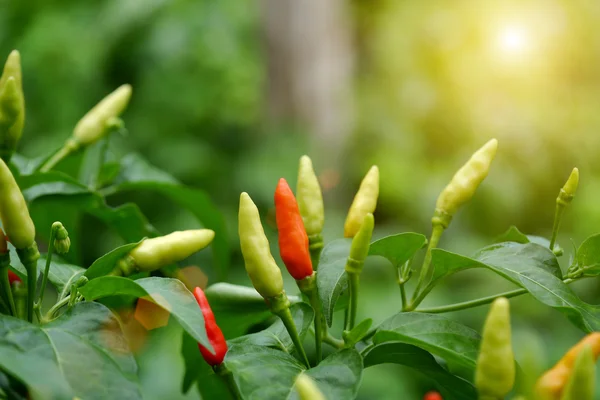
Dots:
{"x": 293, "y": 240}
{"x": 433, "y": 395}
{"x": 214, "y": 333}
{"x": 12, "y": 277}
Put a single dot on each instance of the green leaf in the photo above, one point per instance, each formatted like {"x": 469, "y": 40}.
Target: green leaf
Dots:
{"x": 60, "y": 274}
{"x": 197, "y": 370}
{"x": 338, "y": 376}
{"x": 238, "y": 307}
{"x": 443, "y": 337}
{"x": 168, "y": 293}
{"x": 136, "y": 174}
{"x": 513, "y": 234}
{"x": 398, "y": 248}
{"x": 332, "y": 279}
{"x": 107, "y": 263}
{"x": 357, "y": 333}
{"x": 588, "y": 255}
{"x": 532, "y": 267}
{"x": 276, "y": 336}
{"x": 85, "y": 344}
{"x": 451, "y": 386}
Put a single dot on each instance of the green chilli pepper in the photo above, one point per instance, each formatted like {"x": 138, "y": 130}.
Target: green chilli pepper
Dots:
{"x": 12, "y": 106}
{"x": 359, "y": 249}
{"x": 364, "y": 202}
{"x": 464, "y": 183}
{"x": 309, "y": 197}
{"x": 15, "y": 217}
{"x": 260, "y": 265}
{"x": 495, "y": 372}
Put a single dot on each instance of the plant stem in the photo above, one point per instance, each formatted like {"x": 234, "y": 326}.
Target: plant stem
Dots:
{"x": 38, "y": 303}
{"x": 436, "y": 234}
{"x": 288, "y": 322}
{"x": 401, "y": 283}
{"x": 558, "y": 213}
{"x": 56, "y": 307}
{"x": 103, "y": 150}
{"x": 316, "y": 305}
{"x": 353, "y": 288}
{"x": 478, "y": 302}
{"x": 334, "y": 342}
{"x": 315, "y": 246}
{"x": 60, "y": 155}
{"x": 227, "y": 378}
{"x": 7, "y": 295}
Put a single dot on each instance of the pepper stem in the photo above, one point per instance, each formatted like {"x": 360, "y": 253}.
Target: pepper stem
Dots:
{"x": 353, "y": 279}
{"x": 280, "y": 306}
{"x": 68, "y": 148}
{"x": 436, "y": 233}
{"x": 53, "y": 230}
{"x": 227, "y": 377}
{"x": 315, "y": 246}
{"x": 309, "y": 288}
{"x": 7, "y": 295}
{"x": 29, "y": 257}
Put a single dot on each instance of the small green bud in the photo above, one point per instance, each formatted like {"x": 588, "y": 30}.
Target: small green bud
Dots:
{"x": 62, "y": 242}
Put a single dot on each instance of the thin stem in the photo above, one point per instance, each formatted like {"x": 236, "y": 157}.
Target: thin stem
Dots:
{"x": 38, "y": 313}
{"x": 315, "y": 246}
{"x": 558, "y": 213}
{"x": 103, "y": 150}
{"x": 227, "y": 378}
{"x": 436, "y": 234}
{"x": 401, "y": 283}
{"x": 353, "y": 288}
{"x": 478, "y": 302}
{"x": 316, "y": 305}
{"x": 38, "y": 303}
{"x": 334, "y": 342}
{"x": 31, "y": 288}
{"x": 288, "y": 322}
{"x": 60, "y": 155}
{"x": 7, "y": 296}
{"x": 56, "y": 307}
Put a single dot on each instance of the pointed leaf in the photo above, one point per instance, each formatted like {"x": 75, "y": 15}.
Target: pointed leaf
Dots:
{"x": 331, "y": 278}
{"x": 107, "y": 263}
{"x": 398, "y": 248}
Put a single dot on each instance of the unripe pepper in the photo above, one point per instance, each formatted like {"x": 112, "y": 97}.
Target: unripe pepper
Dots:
{"x": 307, "y": 389}
{"x": 14, "y": 214}
{"x": 495, "y": 372}
{"x": 158, "y": 252}
{"x": 94, "y": 124}
{"x": 551, "y": 384}
{"x": 260, "y": 265}
{"x": 464, "y": 183}
{"x": 566, "y": 194}
{"x": 310, "y": 199}
{"x": 582, "y": 382}
{"x": 359, "y": 249}
{"x": 365, "y": 201}
{"x": 12, "y": 105}
{"x": 214, "y": 333}
{"x": 293, "y": 240}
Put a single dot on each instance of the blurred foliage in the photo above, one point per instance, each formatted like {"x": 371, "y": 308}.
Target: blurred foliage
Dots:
{"x": 433, "y": 81}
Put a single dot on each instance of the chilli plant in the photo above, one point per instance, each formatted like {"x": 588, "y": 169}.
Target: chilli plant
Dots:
{"x": 74, "y": 346}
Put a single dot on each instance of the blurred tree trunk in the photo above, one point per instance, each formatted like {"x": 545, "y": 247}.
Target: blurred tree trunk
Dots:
{"x": 309, "y": 53}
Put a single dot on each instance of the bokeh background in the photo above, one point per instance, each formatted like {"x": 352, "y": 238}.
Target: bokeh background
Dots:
{"x": 229, "y": 94}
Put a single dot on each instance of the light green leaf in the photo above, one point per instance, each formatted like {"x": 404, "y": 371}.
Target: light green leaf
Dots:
{"x": 398, "y": 248}
{"x": 331, "y": 278}
{"x": 107, "y": 263}
{"x": 588, "y": 255}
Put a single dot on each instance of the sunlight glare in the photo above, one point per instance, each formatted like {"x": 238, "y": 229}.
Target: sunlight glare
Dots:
{"x": 513, "y": 40}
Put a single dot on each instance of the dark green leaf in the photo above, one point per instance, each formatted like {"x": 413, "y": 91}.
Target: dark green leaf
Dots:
{"x": 398, "y": 248}
{"x": 588, "y": 255}
{"x": 86, "y": 344}
{"x": 451, "y": 386}
{"x": 170, "y": 294}
{"x": 331, "y": 278}
{"x": 339, "y": 375}
{"x": 107, "y": 263}
{"x": 443, "y": 337}
{"x": 136, "y": 174}
{"x": 276, "y": 335}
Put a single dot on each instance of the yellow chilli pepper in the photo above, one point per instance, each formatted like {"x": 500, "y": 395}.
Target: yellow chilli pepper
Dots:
{"x": 566, "y": 194}
{"x": 158, "y": 252}
{"x": 359, "y": 249}
{"x": 12, "y": 106}
{"x": 13, "y": 211}
{"x": 309, "y": 197}
{"x": 307, "y": 389}
{"x": 364, "y": 202}
{"x": 260, "y": 265}
{"x": 495, "y": 372}
{"x": 95, "y": 123}
{"x": 582, "y": 383}
{"x": 464, "y": 183}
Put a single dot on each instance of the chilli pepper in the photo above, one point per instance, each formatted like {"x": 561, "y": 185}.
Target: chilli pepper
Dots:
{"x": 310, "y": 199}
{"x": 12, "y": 277}
{"x": 215, "y": 336}
{"x": 433, "y": 395}
{"x": 550, "y": 385}
{"x": 495, "y": 371}
{"x": 293, "y": 240}
{"x": 464, "y": 183}
{"x": 365, "y": 201}
{"x": 14, "y": 214}
{"x": 582, "y": 382}
{"x": 12, "y": 106}
{"x": 158, "y": 252}
{"x": 260, "y": 265}
{"x": 565, "y": 196}
{"x": 307, "y": 389}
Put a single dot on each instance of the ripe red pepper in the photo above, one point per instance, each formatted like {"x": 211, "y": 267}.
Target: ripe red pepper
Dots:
{"x": 12, "y": 277}
{"x": 433, "y": 395}
{"x": 215, "y": 336}
{"x": 293, "y": 240}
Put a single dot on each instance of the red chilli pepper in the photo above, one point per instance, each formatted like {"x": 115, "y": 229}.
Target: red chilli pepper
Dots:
{"x": 293, "y": 240}
{"x": 433, "y": 395}
{"x": 215, "y": 336}
{"x": 12, "y": 277}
